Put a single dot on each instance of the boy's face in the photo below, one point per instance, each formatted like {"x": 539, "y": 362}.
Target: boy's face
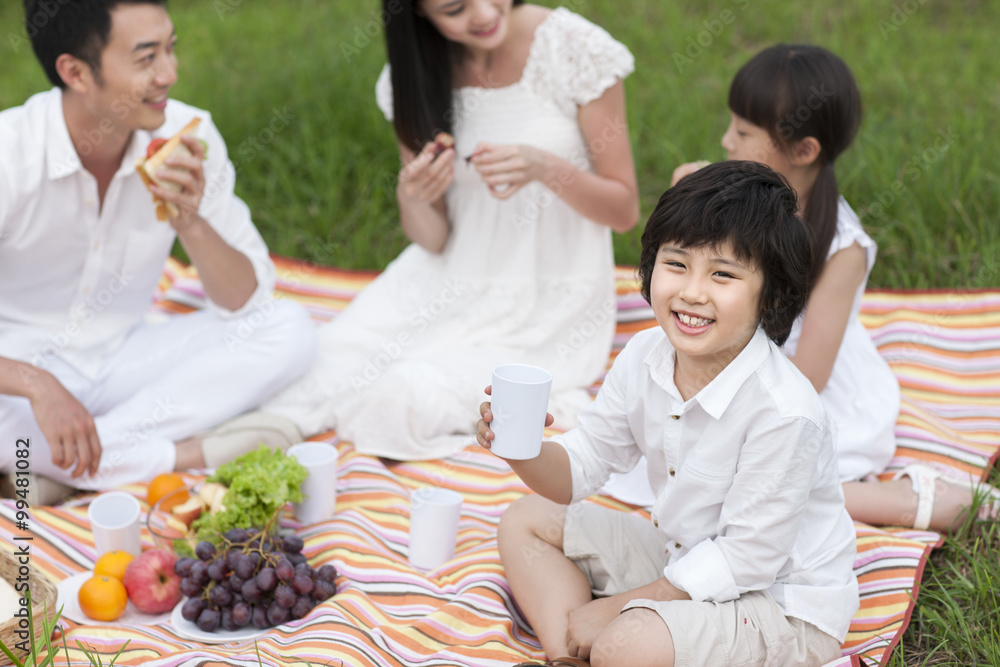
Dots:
{"x": 707, "y": 302}
{"x": 745, "y": 141}
{"x": 138, "y": 68}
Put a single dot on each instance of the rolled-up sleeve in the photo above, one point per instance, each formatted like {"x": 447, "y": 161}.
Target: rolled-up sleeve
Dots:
{"x": 230, "y": 217}
{"x": 760, "y": 517}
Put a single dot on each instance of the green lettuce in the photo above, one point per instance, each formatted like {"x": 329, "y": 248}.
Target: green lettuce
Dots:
{"x": 260, "y": 483}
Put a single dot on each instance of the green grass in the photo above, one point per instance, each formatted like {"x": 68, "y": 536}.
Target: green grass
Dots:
{"x": 322, "y": 189}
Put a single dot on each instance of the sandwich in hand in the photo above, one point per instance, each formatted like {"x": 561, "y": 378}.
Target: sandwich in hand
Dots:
{"x": 156, "y": 155}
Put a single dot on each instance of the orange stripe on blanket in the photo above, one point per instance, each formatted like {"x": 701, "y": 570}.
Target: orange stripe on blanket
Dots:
{"x": 941, "y": 345}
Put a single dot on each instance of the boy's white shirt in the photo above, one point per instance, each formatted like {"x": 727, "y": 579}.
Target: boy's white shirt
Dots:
{"x": 744, "y": 474}
{"x": 77, "y": 276}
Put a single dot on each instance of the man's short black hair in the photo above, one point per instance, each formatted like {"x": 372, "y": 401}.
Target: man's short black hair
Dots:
{"x": 750, "y": 208}
{"x": 80, "y": 28}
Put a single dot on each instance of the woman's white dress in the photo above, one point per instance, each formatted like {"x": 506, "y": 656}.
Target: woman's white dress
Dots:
{"x": 861, "y": 397}
{"x": 401, "y": 371}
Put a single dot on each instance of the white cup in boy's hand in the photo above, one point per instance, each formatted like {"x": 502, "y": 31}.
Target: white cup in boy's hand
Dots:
{"x": 520, "y": 398}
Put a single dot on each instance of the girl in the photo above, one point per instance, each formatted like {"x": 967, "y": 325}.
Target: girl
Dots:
{"x": 511, "y": 226}
{"x": 796, "y": 109}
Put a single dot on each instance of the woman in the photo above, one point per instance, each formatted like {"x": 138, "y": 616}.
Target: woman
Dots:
{"x": 511, "y": 259}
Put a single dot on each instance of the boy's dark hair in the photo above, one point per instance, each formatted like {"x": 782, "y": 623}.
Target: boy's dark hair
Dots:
{"x": 750, "y": 208}
{"x": 421, "y": 62}
{"x": 796, "y": 91}
{"x": 80, "y": 28}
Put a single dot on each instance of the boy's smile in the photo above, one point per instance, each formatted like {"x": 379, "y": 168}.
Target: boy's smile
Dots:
{"x": 707, "y": 302}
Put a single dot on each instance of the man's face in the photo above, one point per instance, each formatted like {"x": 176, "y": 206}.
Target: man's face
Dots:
{"x": 138, "y": 68}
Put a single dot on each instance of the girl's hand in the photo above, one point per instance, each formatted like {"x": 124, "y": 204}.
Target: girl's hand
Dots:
{"x": 507, "y": 168}
{"x": 484, "y": 436}
{"x": 685, "y": 169}
{"x": 426, "y": 178}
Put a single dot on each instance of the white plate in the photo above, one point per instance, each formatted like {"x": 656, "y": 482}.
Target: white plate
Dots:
{"x": 189, "y": 630}
{"x": 68, "y": 590}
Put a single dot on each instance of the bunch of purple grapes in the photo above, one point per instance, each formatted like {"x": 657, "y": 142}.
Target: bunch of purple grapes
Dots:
{"x": 252, "y": 578}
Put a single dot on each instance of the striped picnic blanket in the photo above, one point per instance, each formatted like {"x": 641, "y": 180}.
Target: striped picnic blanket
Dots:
{"x": 943, "y": 346}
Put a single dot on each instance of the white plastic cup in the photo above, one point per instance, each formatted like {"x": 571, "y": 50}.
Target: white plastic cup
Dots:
{"x": 434, "y": 515}
{"x": 319, "y": 490}
{"x": 519, "y": 400}
{"x": 114, "y": 521}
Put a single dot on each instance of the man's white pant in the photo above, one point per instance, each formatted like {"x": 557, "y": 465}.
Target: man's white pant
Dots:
{"x": 166, "y": 383}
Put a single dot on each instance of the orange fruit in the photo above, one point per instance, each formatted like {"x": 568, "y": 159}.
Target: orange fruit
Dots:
{"x": 164, "y": 484}
{"x": 113, "y": 564}
{"x": 103, "y": 598}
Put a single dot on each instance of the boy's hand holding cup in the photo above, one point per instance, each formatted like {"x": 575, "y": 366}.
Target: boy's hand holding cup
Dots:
{"x": 512, "y": 426}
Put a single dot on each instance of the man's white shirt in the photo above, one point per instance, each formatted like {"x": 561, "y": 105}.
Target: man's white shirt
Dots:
{"x": 75, "y": 276}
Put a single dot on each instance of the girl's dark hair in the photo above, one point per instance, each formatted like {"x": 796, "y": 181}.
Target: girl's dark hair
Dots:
{"x": 80, "y": 28}
{"x": 749, "y": 208}
{"x": 421, "y": 60}
{"x": 798, "y": 91}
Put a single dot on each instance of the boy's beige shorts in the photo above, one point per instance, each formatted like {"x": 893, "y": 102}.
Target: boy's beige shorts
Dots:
{"x": 619, "y": 551}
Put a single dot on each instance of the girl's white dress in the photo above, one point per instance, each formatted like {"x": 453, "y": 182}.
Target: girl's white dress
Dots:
{"x": 862, "y": 394}
{"x": 401, "y": 371}
{"x": 861, "y": 398}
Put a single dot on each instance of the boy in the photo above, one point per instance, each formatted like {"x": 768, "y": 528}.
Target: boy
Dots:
{"x": 103, "y": 398}
{"x": 748, "y": 558}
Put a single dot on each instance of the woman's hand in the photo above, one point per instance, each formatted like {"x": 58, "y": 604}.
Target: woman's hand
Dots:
{"x": 484, "y": 436}
{"x": 427, "y": 176}
{"x": 507, "y": 168}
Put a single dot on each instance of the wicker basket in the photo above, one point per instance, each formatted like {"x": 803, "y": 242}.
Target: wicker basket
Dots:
{"x": 43, "y": 598}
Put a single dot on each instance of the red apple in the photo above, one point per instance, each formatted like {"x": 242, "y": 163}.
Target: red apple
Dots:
{"x": 151, "y": 583}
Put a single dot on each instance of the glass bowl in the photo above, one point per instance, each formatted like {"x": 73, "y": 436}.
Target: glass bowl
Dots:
{"x": 165, "y": 527}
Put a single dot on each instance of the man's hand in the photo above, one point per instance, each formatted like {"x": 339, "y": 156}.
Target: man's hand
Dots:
{"x": 189, "y": 174}
{"x": 67, "y": 426}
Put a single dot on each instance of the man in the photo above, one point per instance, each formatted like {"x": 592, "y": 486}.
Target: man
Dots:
{"x": 101, "y": 397}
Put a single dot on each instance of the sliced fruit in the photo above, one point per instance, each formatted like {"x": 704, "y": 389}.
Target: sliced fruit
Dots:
{"x": 189, "y": 510}
{"x": 174, "y": 528}
{"x": 213, "y": 493}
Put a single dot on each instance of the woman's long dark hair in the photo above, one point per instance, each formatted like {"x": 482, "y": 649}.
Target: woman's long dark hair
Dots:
{"x": 798, "y": 91}
{"x": 421, "y": 61}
